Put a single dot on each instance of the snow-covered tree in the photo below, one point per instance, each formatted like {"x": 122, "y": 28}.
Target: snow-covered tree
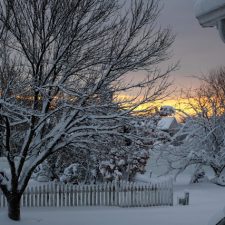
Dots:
{"x": 58, "y": 60}
{"x": 201, "y": 140}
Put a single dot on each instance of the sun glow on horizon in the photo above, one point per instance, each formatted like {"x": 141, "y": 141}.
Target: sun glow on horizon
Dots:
{"x": 181, "y": 105}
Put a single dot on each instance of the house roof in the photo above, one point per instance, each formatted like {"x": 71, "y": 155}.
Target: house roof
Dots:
{"x": 210, "y": 11}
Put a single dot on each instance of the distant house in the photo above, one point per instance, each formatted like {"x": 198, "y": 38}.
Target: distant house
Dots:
{"x": 168, "y": 124}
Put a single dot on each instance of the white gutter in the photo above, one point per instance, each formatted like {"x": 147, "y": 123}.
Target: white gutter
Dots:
{"x": 211, "y": 13}
{"x": 221, "y": 29}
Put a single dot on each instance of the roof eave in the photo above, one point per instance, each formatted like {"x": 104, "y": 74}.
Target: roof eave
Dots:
{"x": 212, "y": 18}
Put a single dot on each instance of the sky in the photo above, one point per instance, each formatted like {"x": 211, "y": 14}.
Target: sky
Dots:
{"x": 198, "y": 49}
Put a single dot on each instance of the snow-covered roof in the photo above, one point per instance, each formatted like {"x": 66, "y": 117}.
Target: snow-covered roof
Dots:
{"x": 166, "y": 122}
{"x": 167, "y": 110}
{"x": 209, "y": 12}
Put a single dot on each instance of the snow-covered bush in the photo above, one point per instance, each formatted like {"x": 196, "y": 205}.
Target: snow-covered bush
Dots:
{"x": 120, "y": 158}
{"x": 199, "y": 176}
{"x": 43, "y": 173}
{"x": 123, "y": 164}
{"x": 219, "y": 180}
{"x": 72, "y": 174}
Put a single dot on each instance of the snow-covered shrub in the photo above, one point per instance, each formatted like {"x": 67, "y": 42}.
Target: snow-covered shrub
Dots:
{"x": 43, "y": 173}
{"x": 120, "y": 158}
{"x": 219, "y": 180}
{"x": 122, "y": 164}
{"x": 72, "y": 174}
{"x": 199, "y": 176}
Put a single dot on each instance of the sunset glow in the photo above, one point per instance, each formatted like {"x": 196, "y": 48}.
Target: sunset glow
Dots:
{"x": 181, "y": 105}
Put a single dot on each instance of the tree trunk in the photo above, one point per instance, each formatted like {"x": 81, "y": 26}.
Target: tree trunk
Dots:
{"x": 14, "y": 206}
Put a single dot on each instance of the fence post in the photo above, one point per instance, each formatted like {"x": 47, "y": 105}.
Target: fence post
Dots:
{"x": 1, "y": 194}
{"x": 117, "y": 187}
{"x": 44, "y": 196}
{"x": 55, "y": 195}
{"x": 75, "y": 195}
{"x": 132, "y": 194}
{"x": 70, "y": 190}
{"x": 67, "y": 195}
{"x": 98, "y": 195}
{"x": 3, "y": 198}
{"x": 102, "y": 194}
{"x": 32, "y": 197}
{"x": 171, "y": 191}
{"x": 60, "y": 195}
{"x": 28, "y": 197}
{"x": 109, "y": 193}
{"x": 94, "y": 195}
{"x": 91, "y": 195}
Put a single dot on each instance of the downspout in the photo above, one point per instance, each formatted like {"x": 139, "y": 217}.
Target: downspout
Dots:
{"x": 221, "y": 29}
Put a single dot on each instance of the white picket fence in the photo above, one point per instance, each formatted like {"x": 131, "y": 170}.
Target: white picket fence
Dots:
{"x": 122, "y": 194}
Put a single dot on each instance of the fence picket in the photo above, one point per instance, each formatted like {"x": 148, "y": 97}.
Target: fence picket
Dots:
{"x": 94, "y": 195}
{"x": 89, "y": 195}
{"x": 123, "y": 194}
{"x": 75, "y": 196}
{"x": 98, "y": 195}
{"x": 1, "y": 198}
{"x": 4, "y": 202}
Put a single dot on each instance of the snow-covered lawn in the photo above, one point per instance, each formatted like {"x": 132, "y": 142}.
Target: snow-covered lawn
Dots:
{"x": 206, "y": 200}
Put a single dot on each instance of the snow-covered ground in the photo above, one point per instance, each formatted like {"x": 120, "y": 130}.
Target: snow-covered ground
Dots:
{"x": 206, "y": 201}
